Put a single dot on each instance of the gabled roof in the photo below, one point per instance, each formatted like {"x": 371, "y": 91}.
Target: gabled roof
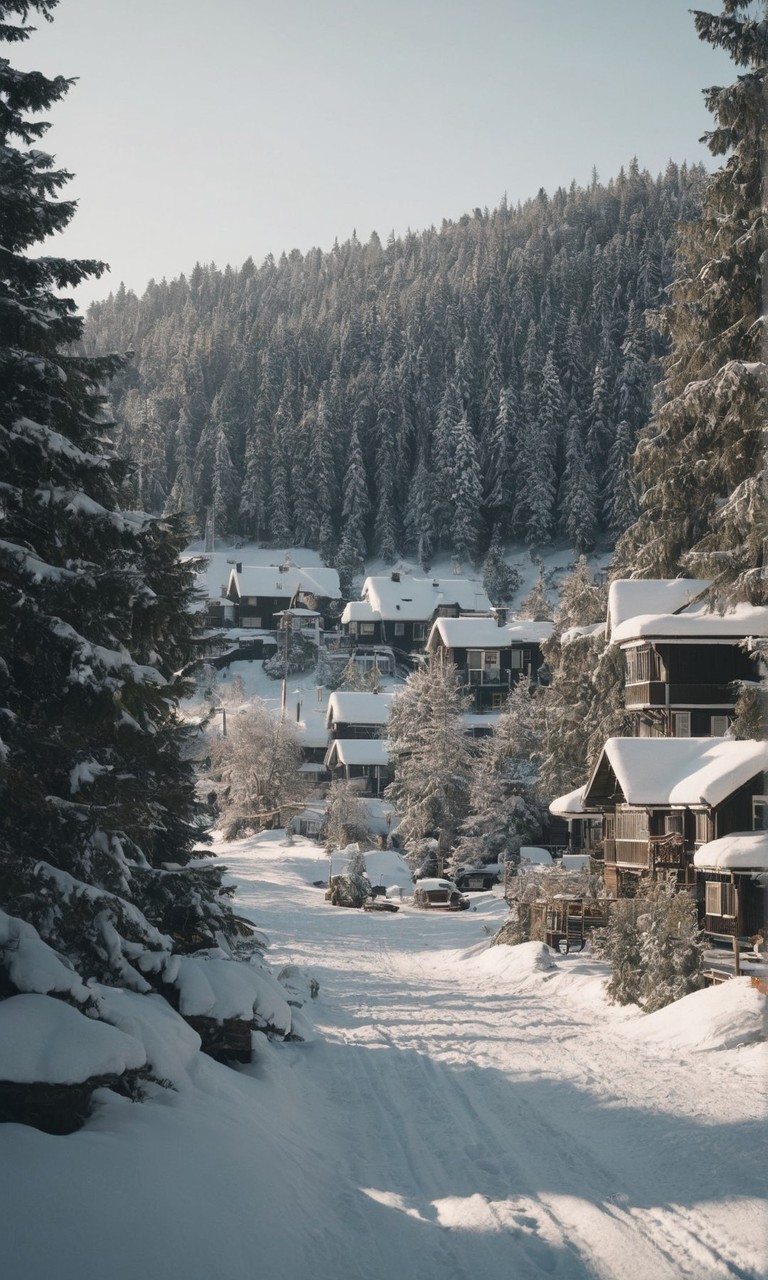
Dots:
{"x": 631, "y": 597}
{"x": 358, "y": 751}
{"x": 359, "y": 611}
{"x": 742, "y": 851}
{"x": 677, "y": 771}
{"x": 408, "y": 599}
{"x": 275, "y": 580}
{"x": 571, "y": 805}
{"x": 699, "y": 624}
{"x": 485, "y": 633}
{"x": 350, "y": 707}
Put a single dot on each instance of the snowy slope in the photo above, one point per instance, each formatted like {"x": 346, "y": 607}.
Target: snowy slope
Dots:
{"x": 464, "y": 1112}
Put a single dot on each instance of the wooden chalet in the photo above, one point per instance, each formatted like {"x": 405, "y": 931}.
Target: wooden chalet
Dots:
{"x": 490, "y": 654}
{"x": 261, "y": 593}
{"x": 661, "y": 799}
{"x": 683, "y": 661}
{"x": 732, "y": 880}
{"x": 398, "y": 609}
{"x": 362, "y": 761}
{"x": 358, "y": 715}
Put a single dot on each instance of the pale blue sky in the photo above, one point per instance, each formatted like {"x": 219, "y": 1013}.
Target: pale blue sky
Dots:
{"x": 219, "y": 129}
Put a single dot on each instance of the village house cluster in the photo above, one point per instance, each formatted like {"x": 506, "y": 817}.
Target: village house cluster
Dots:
{"x": 679, "y": 797}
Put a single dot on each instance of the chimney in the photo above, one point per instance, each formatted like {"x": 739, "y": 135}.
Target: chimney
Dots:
{"x": 239, "y": 566}
{"x": 395, "y": 576}
{"x": 501, "y": 616}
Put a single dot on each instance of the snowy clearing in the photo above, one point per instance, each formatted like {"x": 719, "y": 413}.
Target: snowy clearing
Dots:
{"x": 462, "y": 1111}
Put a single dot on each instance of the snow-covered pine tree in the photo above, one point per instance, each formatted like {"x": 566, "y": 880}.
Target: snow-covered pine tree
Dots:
{"x": 701, "y": 462}
{"x": 584, "y": 701}
{"x": 506, "y": 810}
{"x": 500, "y": 581}
{"x": 99, "y": 811}
{"x": 431, "y": 757}
{"x": 536, "y": 604}
{"x": 466, "y": 494}
{"x": 350, "y": 560}
{"x": 671, "y": 947}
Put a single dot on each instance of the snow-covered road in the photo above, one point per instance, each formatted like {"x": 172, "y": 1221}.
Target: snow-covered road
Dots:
{"x": 464, "y": 1112}
{"x": 488, "y": 1117}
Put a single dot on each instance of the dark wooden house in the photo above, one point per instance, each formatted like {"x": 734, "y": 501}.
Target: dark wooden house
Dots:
{"x": 261, "y": 593}
{"x": 662, "y": 799}
{"x": 362, "y": 761}
{"x": 358, "y": 715}
{"x": 684, "y": 666}
{"x": 398, "y": 609}
{"x": 490, "y": 654}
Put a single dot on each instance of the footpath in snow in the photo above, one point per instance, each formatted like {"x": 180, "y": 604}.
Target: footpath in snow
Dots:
{"x": 460, "y": 1112}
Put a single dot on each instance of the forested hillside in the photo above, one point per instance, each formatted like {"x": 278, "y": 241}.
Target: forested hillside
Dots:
{"x": 490, "y": 376}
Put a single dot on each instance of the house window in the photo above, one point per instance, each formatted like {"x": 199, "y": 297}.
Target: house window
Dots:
{"x": 250, "y": 622}
{"x": 719, "y": 726}
{"x": 366, "y": 628}
{"x": 673, "y": 824}
{"x": 484, "y": 666}
{"x": 720, "y": 899}
{"x": 681, "y": 724}
{"x": 497, "y": 701}
{"x": 516, "y": 659}
{"x": 642, "y": 665}
{"x": 399, "y": 628}
{"x": 419, "y": 630}
{"x": 702, "y": 828}
{"x": 760, "y": 813}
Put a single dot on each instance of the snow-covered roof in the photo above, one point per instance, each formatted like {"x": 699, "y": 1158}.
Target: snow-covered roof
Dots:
{"x": 571, "y": 805}
{"x": 630, "y": 597}
{"x": 680, "y": 771}
{"x": 430, "y": 884}
{"x": 350, "y": 707}
{"x": 485, "y": 633}
{"x": 742, "y": 851}
{"x": 358, "y": 751}
{"x": 359, "y": 611}
{"x": 277, "y": 580}
{"x": 699, "y": 622}
{"x": 409, "y": 599}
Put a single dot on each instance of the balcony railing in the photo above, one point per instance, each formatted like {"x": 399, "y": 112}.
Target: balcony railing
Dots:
{"x": 500, "y": 678}
{"x": 656, "y": 693}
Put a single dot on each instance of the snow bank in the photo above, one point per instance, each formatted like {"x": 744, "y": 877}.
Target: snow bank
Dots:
{"x": 526, "y": 960}
{"x": 32, "y": 965}
{"x": 220, "y": 989}
{"x": 43, "y": 1040}
{"x": 731, "y": 1014}
{"x": 170, "y": 1043}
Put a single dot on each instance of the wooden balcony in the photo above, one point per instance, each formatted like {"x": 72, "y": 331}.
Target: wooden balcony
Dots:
{"x": 656, "y": 693}
{"x": 646, "y": 693}
{"x": 632, "y": 853}
{"x": 476, "y": 677}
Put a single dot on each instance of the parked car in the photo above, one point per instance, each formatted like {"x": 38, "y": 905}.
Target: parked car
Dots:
{"x": 441, "y": 894}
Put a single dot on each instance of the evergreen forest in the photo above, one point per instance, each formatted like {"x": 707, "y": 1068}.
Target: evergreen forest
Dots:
{"x": 487, "y": 379}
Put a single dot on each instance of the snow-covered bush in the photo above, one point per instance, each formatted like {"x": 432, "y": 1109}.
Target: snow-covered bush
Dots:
{"x": 256, "y": 771}
{"x": 346, "y": 817}
{"x": 653, "y": 945}
{"x": 302, "y": 654}
{"x": 352, "y": 886}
